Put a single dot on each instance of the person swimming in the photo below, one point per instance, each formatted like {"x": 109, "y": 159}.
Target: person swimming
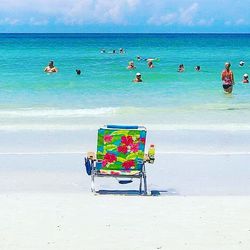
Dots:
{"x": 137, "y": 77}
{"x": 78, "y": 71}
{"x": 245, "y": 78}
{"x": 121, "y": 50}
{"x": 139, "y": 58}
{"x": 198, "y": 68}
{"x": 150, "y": 64}
{"x": 131, "y": 65}
{"x": 181, "y": 68}
{"x": 241, "y": 63}
{"x": 51, "y": 68}
{"x": 152, "y": 59}
{"x": 228, "y": 78}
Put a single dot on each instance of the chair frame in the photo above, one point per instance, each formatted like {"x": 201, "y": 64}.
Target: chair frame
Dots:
{"x": 142, "y": 174}
{"x": 91, "y": 157}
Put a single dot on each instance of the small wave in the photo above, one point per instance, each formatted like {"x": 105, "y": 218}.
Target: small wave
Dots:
{"x": 200, "y": 127}
{"x": 55, "y": 113}
{"x": 150, "y": 127}
{"x": 181, "y": 109}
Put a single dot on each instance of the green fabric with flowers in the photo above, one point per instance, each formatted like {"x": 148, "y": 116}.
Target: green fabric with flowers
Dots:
{"x": 120, "y": 149}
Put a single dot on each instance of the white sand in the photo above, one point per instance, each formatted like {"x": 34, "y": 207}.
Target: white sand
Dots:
{"x": 45, "y": 199}
{"x": 83, "y": 221}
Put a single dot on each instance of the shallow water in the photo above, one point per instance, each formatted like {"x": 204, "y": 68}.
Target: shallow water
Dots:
{"x": 105, "y": 93}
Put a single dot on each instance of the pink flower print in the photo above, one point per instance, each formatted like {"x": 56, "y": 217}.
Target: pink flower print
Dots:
{"x": 128, "y": 164}
{"x": 134, "y": 148}
{"x": 122, "y": 149}
{"x": 142, "y": 140}
{"x": 104, "y": 163}
{"x": 108, "y": 138}
{"x": 115, "y": 173}
{"x": 110, "y": 158}
{"x": 127, "y": 140}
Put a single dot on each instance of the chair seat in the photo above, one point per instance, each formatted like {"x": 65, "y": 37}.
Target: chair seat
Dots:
{"x": 119, "y": 172}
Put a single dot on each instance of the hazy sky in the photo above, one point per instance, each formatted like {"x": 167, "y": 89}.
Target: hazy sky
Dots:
{"x": 124, "y": 16}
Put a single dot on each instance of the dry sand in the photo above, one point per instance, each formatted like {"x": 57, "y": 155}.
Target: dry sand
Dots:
{"x": 45, "y": 199}
{"x": 84, "y": 221}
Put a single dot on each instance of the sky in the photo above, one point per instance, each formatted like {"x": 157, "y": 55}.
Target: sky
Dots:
{"x": 137, "y": 16}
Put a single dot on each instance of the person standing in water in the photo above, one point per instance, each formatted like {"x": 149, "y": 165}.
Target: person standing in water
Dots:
{"x": 137, "y": 77}
{"x": 78, "y": 72}
{"x": 198, "y": 68}
{"x": 227, "y": 78}
{"x": 150, "y": 64}
{"x": 131, "y": 65}
{"x": 51, "y": 68}
{"x": 245, "y": 78}
{"x": 181, "y": 68}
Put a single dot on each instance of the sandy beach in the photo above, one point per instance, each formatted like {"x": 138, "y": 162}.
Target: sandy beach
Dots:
{"x": 64, "y": 74}
{"x": 198, "y": 195}
{"x": 83, "y": 221}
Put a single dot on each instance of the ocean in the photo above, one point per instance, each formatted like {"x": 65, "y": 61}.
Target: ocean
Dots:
{"x": 104, "y": 92}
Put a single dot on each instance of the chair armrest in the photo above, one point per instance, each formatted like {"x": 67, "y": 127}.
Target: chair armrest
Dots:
{"x": 91, "y": 156}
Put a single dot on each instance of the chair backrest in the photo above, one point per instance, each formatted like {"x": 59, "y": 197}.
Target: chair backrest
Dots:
{"x": 121, "y": 148}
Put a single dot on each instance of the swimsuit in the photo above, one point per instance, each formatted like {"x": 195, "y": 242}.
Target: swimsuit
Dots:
{"x": 226, "y": 86}
{"x": 228, "y": 79}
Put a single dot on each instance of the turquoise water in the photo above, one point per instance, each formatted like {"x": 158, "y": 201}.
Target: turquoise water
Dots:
{"x": 104, "y": 92}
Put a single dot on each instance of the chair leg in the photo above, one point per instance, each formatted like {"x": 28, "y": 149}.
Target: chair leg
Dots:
{"x": 145, "y": 184}
{"x": 140, "y": 185}
{"x": 92, "y": 177}
{"x": 92, "y": 183}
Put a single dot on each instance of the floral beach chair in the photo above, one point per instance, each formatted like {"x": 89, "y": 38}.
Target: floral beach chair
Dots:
{"x": 120, "y": 154}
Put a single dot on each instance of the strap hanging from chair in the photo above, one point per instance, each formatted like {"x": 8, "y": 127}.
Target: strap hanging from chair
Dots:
{"x": 124, "y": 181}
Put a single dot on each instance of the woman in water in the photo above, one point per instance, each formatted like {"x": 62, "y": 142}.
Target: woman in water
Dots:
{"x": 228, "y": 78}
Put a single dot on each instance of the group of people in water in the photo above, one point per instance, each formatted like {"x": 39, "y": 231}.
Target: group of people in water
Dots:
{"x": 51, "y": 68}
{"x": 113, "y": 51}
{"x": 227, "y": 75}
{"x": 150, "y": 65}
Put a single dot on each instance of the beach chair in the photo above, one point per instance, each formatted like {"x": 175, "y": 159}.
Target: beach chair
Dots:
{"x": 120, "y": 154}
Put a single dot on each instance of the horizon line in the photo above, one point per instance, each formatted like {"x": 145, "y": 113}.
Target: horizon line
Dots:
{"x": 124, "y": 32}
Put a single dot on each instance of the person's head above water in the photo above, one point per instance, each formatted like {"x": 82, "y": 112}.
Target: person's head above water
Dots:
{"x": 51, "y": 64}
{"x": 150, "y": 64}
{"x": 198, "y": 68}
{"x": 51, "y": 68}
{"x": 181, "y": 68}
{"x": 245, "y": 78}
{"x": 242, "y": 63}
{"x": 138, "y": 77}
{"x": 227, "y": 65}
{"x": 78, "y": 71}
{"x": 131, "y": 65}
